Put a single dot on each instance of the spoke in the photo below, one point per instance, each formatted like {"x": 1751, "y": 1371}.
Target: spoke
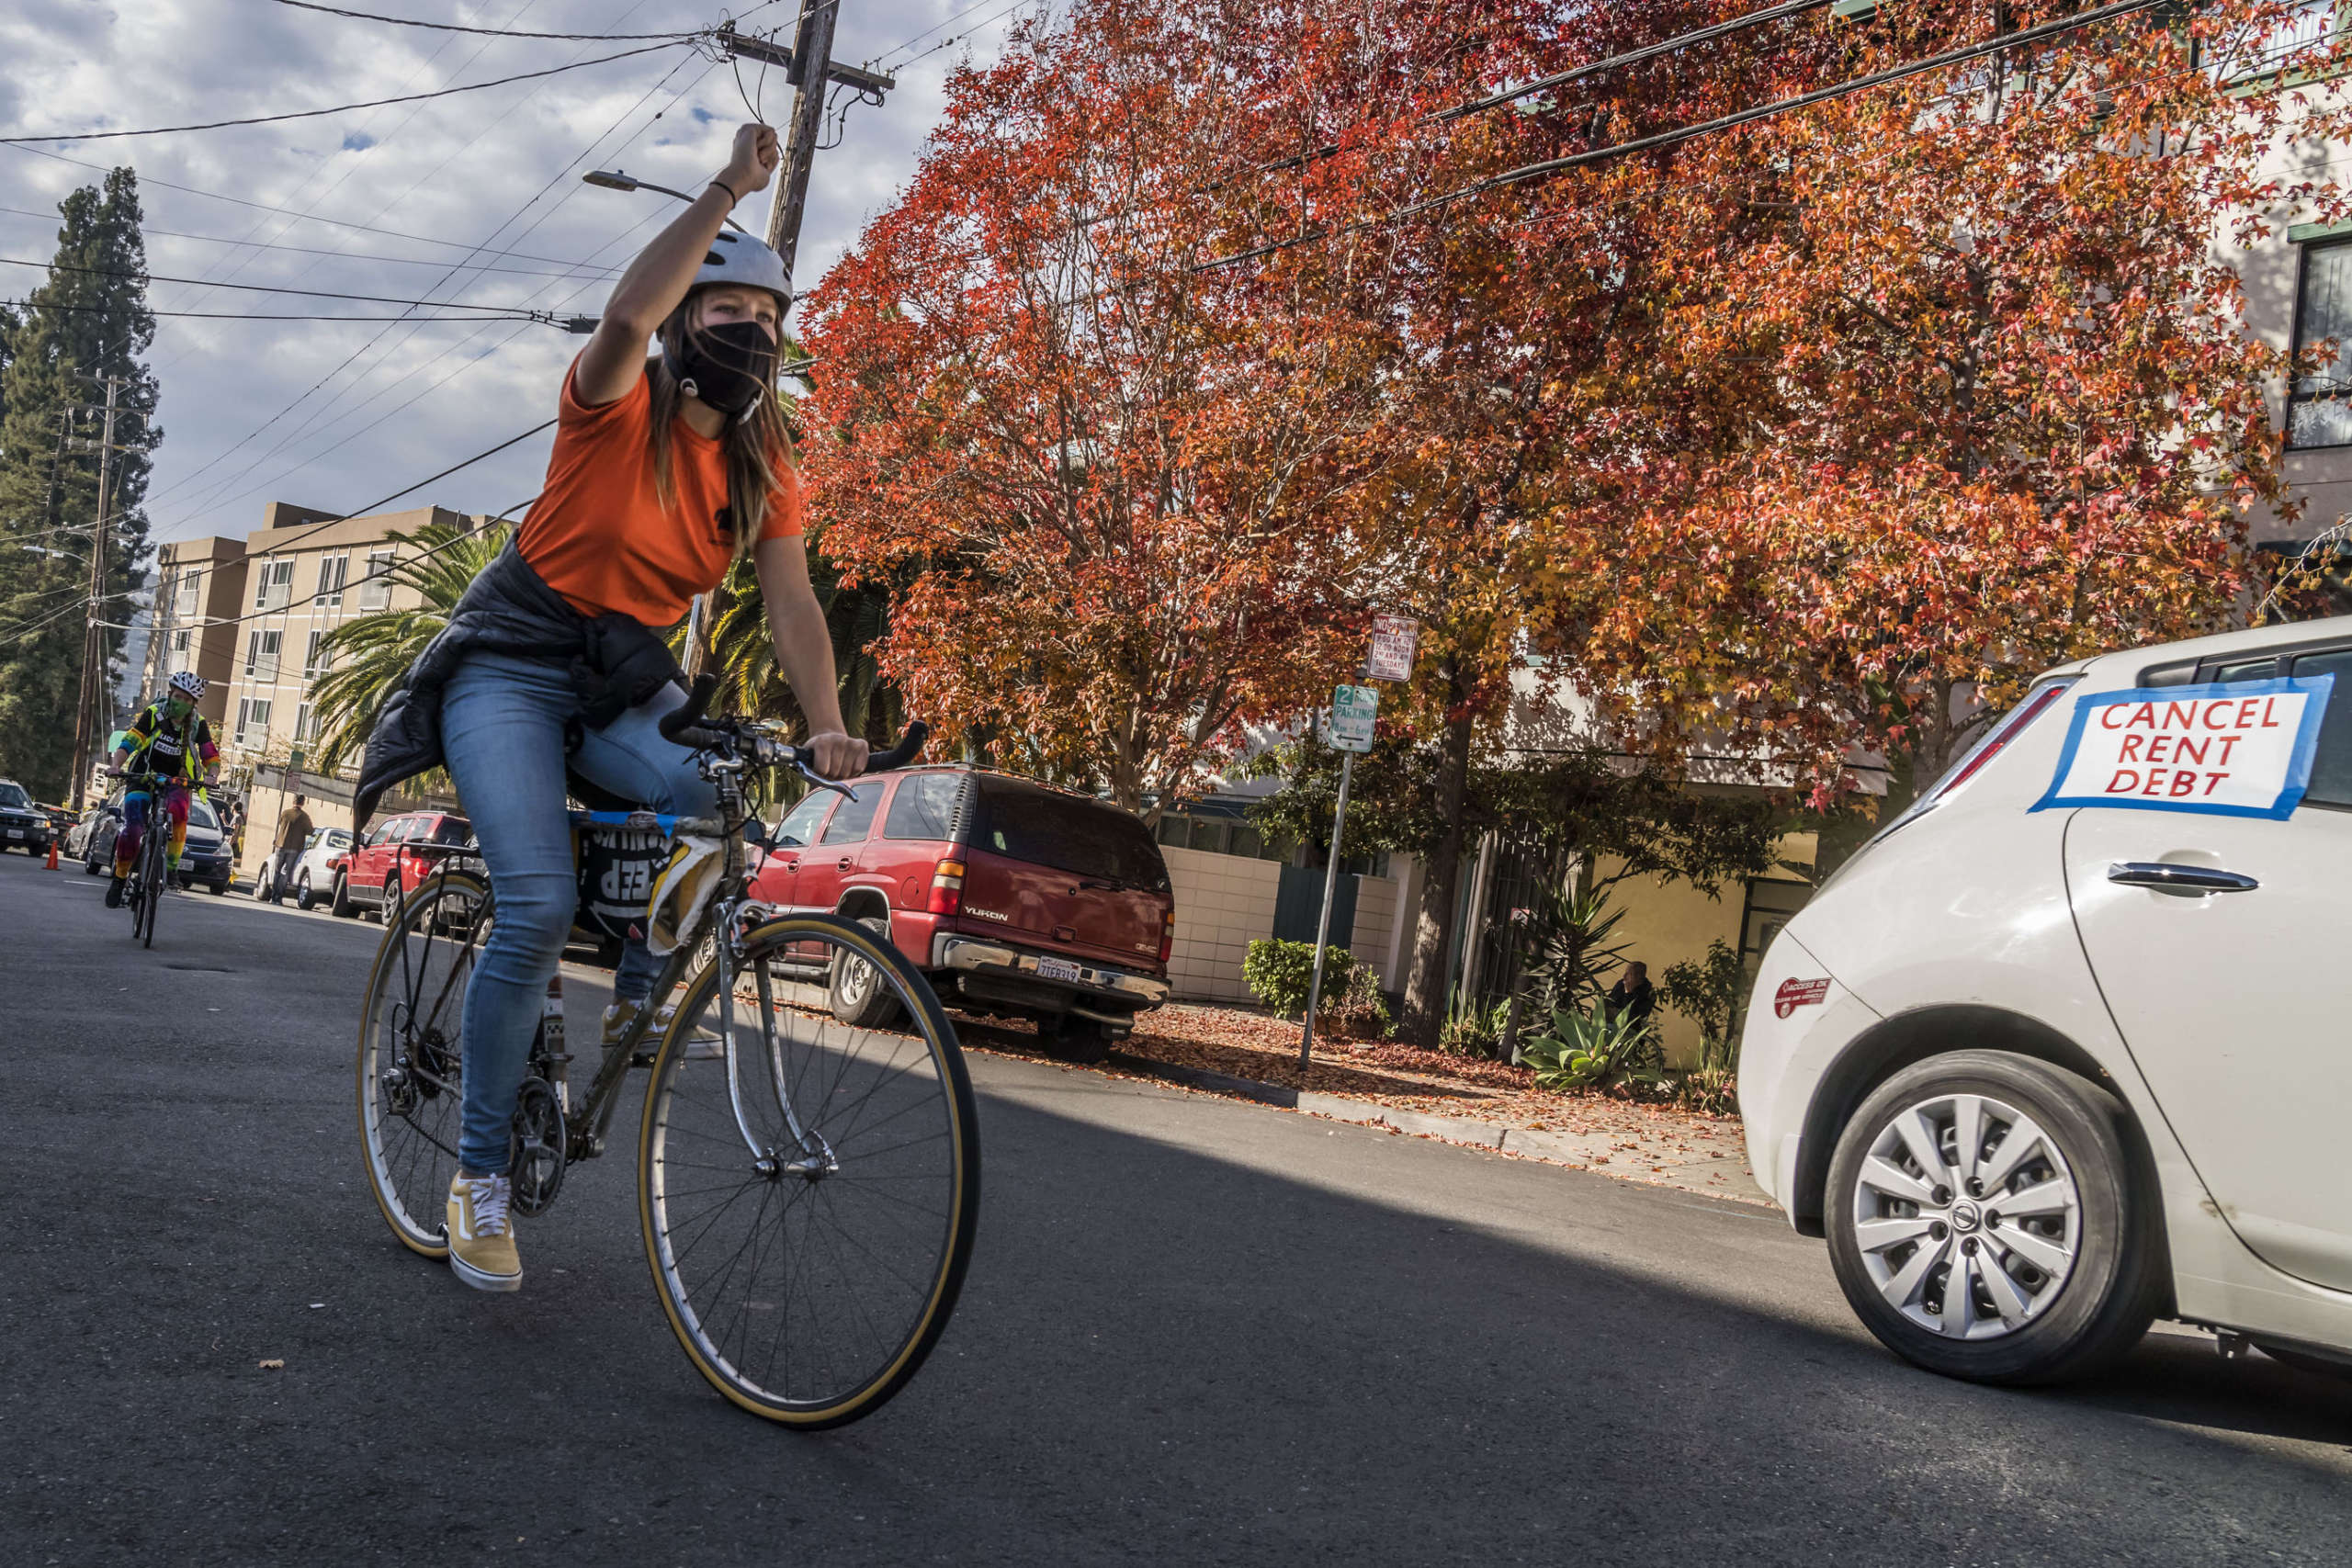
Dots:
{"x": 1960, "y": 1296}
{"x": 2055, "y": 1196}
{"x": 2011, "y": 1300}
{"x": 1886, "y": 1177}
{"x": 1968, "y": 1132}
{"x": 1903, "y": 1288}
{"x": 1877, "y": 1235}
{"x": 2022, "y": 1140}
{"x": 2048, "y": 1255}
{"x": 1920, "y": 1139}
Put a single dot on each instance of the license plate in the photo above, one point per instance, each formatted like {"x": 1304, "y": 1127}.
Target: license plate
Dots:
{"x": 1058, "y": 969}
{"x": 16, "y": 832}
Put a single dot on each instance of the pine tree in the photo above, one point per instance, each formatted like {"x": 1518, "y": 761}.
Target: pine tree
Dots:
{"x": 85, "y": 322}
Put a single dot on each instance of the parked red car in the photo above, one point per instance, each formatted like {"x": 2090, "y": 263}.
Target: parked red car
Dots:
{"x": 1015, "y": 900}
{"x": 401, "y": 853}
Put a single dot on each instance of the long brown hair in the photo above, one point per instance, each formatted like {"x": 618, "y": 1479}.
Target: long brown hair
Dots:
{"x": 757, "y": 449}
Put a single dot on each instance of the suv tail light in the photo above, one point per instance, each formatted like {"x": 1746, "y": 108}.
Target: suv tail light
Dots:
{"x": 946, "y": 888}
{"x": 1167, "y": 933}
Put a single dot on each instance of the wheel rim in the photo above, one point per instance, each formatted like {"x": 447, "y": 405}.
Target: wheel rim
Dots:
{"x": 409, "y": 1083}
{"x": 1967, "y": 1217}
{"x": 807, "y": 1271}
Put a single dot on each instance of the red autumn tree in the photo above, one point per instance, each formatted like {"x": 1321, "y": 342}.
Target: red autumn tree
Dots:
{"x": 1949, "y": 387}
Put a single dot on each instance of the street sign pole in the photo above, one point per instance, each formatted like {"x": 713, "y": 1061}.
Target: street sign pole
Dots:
{"x": 1323, "y": 922}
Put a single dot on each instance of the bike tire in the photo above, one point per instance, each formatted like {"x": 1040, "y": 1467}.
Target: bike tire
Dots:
{"x": 408, "y": 1070}
{"x": 698, "y": 1138}
{"x": 150, "y": 882}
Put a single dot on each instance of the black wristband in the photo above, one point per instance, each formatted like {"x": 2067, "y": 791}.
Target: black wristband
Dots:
{"x": 732, "y": 199}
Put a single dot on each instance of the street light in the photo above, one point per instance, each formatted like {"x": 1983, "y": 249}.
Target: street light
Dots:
{"x": 613, "y": 179}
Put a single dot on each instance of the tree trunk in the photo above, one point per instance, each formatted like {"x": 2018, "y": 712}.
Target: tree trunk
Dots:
{"x": 1434, "y": 924}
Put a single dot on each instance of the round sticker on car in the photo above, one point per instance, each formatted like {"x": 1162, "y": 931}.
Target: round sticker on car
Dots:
{"x": 1796, "y": 994}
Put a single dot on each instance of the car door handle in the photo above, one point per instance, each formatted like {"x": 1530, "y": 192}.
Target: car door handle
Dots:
{"x": 2172, "y": 877}
{"x": 844, "y": 864}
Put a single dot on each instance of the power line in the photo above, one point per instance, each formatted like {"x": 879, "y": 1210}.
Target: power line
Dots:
{"x": 282, "y": 211}
{"x": 502, "y": 313}
{"x": 494, "y": 32}
{"x": 339, "y": 109}
{"x": 248, "y": 287}
{"x": 575, "y": 268}
{"x": 1635, "y": 56}
{"x": 1690, "y": 132}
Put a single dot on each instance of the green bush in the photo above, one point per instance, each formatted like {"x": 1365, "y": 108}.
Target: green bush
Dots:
{"x": 1279, "y": 973}
{"x": 1595, "y": 1050}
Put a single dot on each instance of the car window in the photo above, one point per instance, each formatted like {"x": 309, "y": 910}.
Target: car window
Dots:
{"x": 454, "y": 830}
{"x": 338, "y": 837}
{"x": 925, "y": 807}
{"x": 854, "y": 817}
{"x": 200, "y": 815}
{"x": 14, "y": 795}
{"x": 2247, "y": 669}
{"x": 1085, "y": 837}
{"x": 798, "y": 827}
{"x": 2331, "y": 763}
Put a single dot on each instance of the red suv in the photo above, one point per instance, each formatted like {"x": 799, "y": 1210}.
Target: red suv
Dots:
{"x": 1014, "y": 898}
{"x": 399, "y": 853}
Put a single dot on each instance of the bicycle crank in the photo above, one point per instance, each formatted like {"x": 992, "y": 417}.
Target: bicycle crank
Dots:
{"x": 537, "y": 1141}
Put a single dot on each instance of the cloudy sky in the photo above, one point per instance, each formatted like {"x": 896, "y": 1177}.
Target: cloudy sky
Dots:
{"x": 474, "y": 198}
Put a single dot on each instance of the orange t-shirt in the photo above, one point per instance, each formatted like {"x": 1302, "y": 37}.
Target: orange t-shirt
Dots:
{"x": 600, "y": 536}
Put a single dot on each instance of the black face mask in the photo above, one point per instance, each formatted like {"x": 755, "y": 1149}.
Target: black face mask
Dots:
{"x": 727, "y": 366}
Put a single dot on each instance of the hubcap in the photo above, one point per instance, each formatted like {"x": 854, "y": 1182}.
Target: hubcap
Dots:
{"x": 1967, "y": 1215}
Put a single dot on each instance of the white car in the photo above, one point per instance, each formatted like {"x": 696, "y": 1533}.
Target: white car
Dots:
{"x": 314, "y": 870}
{"x": 2064, "y": 1048}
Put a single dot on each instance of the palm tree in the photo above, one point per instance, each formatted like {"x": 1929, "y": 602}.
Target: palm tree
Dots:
{"x": 743, "y": 655}
{"x": 369, "y": 655}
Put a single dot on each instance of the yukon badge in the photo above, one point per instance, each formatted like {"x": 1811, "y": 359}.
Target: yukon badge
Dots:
{"x": 985, "y": 913}
{"x": 1796, "y": 994}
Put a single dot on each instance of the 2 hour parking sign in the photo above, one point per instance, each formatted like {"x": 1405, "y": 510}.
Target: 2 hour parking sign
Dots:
{"x": 2241, "y": 750}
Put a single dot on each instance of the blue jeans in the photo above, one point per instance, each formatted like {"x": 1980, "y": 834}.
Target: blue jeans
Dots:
{"x": 502, "y": 731}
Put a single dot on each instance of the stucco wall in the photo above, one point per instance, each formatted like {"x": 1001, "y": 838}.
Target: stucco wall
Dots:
{"x": 1225, "y": 902}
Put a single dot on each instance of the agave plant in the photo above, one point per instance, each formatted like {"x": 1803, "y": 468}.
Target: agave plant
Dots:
{"x": 368, "y": 655}
{"x": 1595, "y": 1050}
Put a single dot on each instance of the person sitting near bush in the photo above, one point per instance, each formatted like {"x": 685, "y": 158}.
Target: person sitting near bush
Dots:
{"x": 1633, "y": 998}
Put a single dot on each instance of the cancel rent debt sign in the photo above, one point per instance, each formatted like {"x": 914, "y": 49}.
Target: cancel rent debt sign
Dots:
{"x": 2242, "y": 749}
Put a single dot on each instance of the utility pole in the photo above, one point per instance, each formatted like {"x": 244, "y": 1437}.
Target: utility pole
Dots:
{"x": 810, "y": 66}
{"x": 94, "y": 701}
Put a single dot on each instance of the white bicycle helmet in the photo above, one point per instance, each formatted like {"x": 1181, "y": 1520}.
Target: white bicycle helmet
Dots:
{"x": 189, "y": 685}
{"x": 739, "y": 258}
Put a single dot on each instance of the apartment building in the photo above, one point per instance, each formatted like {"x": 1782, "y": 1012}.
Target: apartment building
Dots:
{"x": 200, "y": 584}
{"x": 304, "y": 574}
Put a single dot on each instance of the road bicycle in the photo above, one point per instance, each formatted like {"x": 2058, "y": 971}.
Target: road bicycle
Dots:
{"x": 807, "y": 1192}
{"x": 152, "y": 872}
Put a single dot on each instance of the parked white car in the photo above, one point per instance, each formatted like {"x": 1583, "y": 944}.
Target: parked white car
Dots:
{"x": 2061, "y": 1050}
{"x": 314, "y": 870}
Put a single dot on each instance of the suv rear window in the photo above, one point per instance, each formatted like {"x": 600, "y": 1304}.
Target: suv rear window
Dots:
{"x": 454, "y": 830}
{"x": 1084, "y": 837}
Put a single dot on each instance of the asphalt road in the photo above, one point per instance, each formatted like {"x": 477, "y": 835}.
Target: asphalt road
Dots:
{"x": 1195, "y": 1331}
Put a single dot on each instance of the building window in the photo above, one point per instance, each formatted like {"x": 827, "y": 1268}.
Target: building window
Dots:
{"x": 180, "y": 641}
{"x": 261, "y": 655}
{"x": 331, "y": 571}
{"x": 2317, "y": 413}
{"x": 306, "y": 722}
{"x": 189, "y": 586}
{"x": 375, "y": 593}
{"x": 273, "y": 584}
{"x": 311, "y": 655}
{"x": 252, "y": 721}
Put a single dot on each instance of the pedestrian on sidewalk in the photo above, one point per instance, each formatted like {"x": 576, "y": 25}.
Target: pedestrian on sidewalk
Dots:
{"x": 1633, "y": 996}
{"x": 293, "y": 832}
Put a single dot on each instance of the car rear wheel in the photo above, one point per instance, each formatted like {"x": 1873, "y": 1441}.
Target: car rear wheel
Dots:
{"x": 303, "y": 896}
{"x": 340, "y": 903}
{"x": 1985, "y": 1222}
{"x": 1074, "y": 1039}
{"x": 856, "y": 991}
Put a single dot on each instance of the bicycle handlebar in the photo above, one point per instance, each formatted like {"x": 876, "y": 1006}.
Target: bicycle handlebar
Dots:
{"x": 685, "y": 725}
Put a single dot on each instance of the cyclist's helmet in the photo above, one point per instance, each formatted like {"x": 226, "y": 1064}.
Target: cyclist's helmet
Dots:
{"x": 189, "y": 685}
{"x": 739, "y": 258}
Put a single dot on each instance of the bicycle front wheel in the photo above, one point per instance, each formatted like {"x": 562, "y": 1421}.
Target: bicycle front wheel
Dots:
{"x": 808, "y": 1189}
{"x": 412, "y": 1026}
{"x": 152, "y": 870}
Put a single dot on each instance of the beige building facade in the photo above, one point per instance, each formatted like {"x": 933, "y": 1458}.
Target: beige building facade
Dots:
{"x": 199, "y": 583}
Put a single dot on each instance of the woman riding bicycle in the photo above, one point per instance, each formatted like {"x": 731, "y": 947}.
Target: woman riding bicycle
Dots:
{"x": 664, "y": 471}
{"x": 167, "y": 743}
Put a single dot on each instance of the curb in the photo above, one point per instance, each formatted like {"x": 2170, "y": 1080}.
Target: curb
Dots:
{"x": 1582, "y": 1151}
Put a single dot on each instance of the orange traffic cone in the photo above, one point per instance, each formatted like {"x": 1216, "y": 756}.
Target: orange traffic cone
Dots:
{"x": 53, "y": 852}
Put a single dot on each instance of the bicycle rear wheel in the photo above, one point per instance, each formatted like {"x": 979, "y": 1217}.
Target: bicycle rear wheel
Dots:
{"x": 412, "y": 1024}
{"x": 808, "y": 1190}
{"x": 152, "y": 874}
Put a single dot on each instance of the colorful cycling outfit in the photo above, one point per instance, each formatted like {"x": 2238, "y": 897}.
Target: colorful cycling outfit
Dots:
{"x": 177, "y": 753}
